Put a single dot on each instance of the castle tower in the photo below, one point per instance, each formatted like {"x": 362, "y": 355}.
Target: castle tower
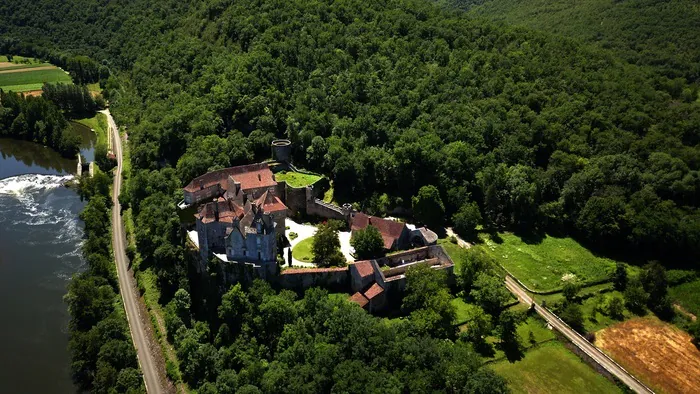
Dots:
{"x": 282, "y": 150}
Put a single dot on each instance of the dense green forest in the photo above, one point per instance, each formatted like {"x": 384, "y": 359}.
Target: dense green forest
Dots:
{"x": 396, "y": 101}
{"x": 39, "y": 120}
{"x": 660, "y": 34}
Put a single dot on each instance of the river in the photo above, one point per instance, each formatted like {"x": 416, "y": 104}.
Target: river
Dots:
{"x": 40, "y": 239}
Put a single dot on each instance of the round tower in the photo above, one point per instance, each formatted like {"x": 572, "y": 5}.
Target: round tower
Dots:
{"x": 282, "y": 150}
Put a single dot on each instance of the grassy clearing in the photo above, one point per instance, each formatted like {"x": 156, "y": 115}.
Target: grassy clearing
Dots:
{"x": 532, "y": 324}
{"x": 23, "y": 81}
{"x": 551, "y": 368}
{"x": 3, "y": 58}
{"x": 296, "y": 179}
{"x": 687, "y": 295}
{"x": 302, "y": 250}
{"x": 22, "y": 88}
{"x": 456, "y": 253}
{"x": 543, "y": 265}
{"x": 97, "y": 123}
{"x": 464, "y": 310}
{"x": 328, "y": 195}
{"x": 94, "y": 87}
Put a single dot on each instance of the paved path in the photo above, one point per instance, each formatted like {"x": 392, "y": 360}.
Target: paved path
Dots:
{"x": 460, "y": 241}
{"x": 592, "y": 351}
{"x": 131, "y": 302}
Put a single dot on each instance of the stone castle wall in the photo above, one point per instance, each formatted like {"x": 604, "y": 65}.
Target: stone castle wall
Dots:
{"x": 334, "y": 279}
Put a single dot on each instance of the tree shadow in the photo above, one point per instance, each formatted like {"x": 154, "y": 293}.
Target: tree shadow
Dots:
{"x": 484, "y": 349}
{"x": 513, "y": 351}
{"x": 531, "y": 237}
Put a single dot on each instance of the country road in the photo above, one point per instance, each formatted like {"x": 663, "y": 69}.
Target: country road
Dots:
{"x": 592, "y": 351}
{"x": 130, "y": 299}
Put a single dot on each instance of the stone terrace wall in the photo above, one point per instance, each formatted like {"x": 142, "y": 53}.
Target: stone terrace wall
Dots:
{"x": 325, "y": 210}
{"x": 334, "y": 279}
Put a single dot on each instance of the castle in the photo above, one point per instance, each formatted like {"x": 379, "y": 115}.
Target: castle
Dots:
{"x": 240, "y": 219}
{"x": 243, "y": 216}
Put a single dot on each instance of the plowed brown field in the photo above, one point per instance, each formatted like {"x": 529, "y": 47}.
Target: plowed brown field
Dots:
{"x": 657, "y": 353}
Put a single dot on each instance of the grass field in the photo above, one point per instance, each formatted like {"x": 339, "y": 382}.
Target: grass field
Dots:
{"x": 296, "y": 179}
{"x": 551, "y": 368}
{"x": 659, "y": 354}
{"x": 15, "y": 79}
{"x": 464, "y": 310}
{"x": 687, "y": 295}
{"x": 99, "y": 124}
{"x": 456, "y": 253}
{"x": 302, "y": 250}
{"x": 545, "y": 264}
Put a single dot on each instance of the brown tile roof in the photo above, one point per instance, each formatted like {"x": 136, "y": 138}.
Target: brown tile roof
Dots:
{"x": 359, "y": 299}
{"x": 270, "y": 203}
{"x": 391, "y": 230}
{"x": 364, "y": 268}
{"x": 374, "y": 291}
{"x": 249, "y": 176}
{"x": 228, "y": 211}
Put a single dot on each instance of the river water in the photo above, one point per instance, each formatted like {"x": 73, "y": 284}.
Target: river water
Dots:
{"x": 40, "y": 239}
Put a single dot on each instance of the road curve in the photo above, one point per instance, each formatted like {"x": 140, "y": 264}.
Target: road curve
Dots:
{"x": 592, "y": 351}
{"x": 131, "y": 302}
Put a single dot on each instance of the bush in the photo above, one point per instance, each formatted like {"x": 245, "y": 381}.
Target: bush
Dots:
{"x": 466, "y": 220}
{"x": 293, "y": 235}
{"x": 172, "y": 371}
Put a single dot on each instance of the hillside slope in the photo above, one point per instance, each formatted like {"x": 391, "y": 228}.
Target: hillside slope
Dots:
{"x": 661, "y": 34}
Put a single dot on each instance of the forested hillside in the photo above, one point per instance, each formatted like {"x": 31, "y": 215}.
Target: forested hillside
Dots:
{"x": 384, "y": 97}
{"x": 661, "y": 34}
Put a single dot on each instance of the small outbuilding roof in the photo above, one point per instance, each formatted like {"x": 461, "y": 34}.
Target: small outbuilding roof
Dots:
{"x": 374, "y": 291}
{"x": 359, "y": 299}
{"x": 364, "y": 268}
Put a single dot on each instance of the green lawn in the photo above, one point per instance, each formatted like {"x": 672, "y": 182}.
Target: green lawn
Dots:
{"x": 688, "y": 296}
{"x": 543, "y": 265}
{"x": 456, "y": 253}
{"x": 94, "y": 87}
{"x": 32, "y": 80}
{"x": 551, "y": 368}
{"x": 296, "y": 179}
{"x": 464, "y": 310}
{"x": 302, "y": 250}
{"x": 97, "y": 123}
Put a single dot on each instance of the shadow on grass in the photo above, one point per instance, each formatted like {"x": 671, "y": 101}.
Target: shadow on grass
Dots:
{"x": 512, "y": 350}
{"x": 485, "y": 349}
{"x": 531, "y": 237}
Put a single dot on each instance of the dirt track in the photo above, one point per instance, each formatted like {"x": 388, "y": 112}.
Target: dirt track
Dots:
{"x": 659, "y": 353}
{"x": 26, "y": 70}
